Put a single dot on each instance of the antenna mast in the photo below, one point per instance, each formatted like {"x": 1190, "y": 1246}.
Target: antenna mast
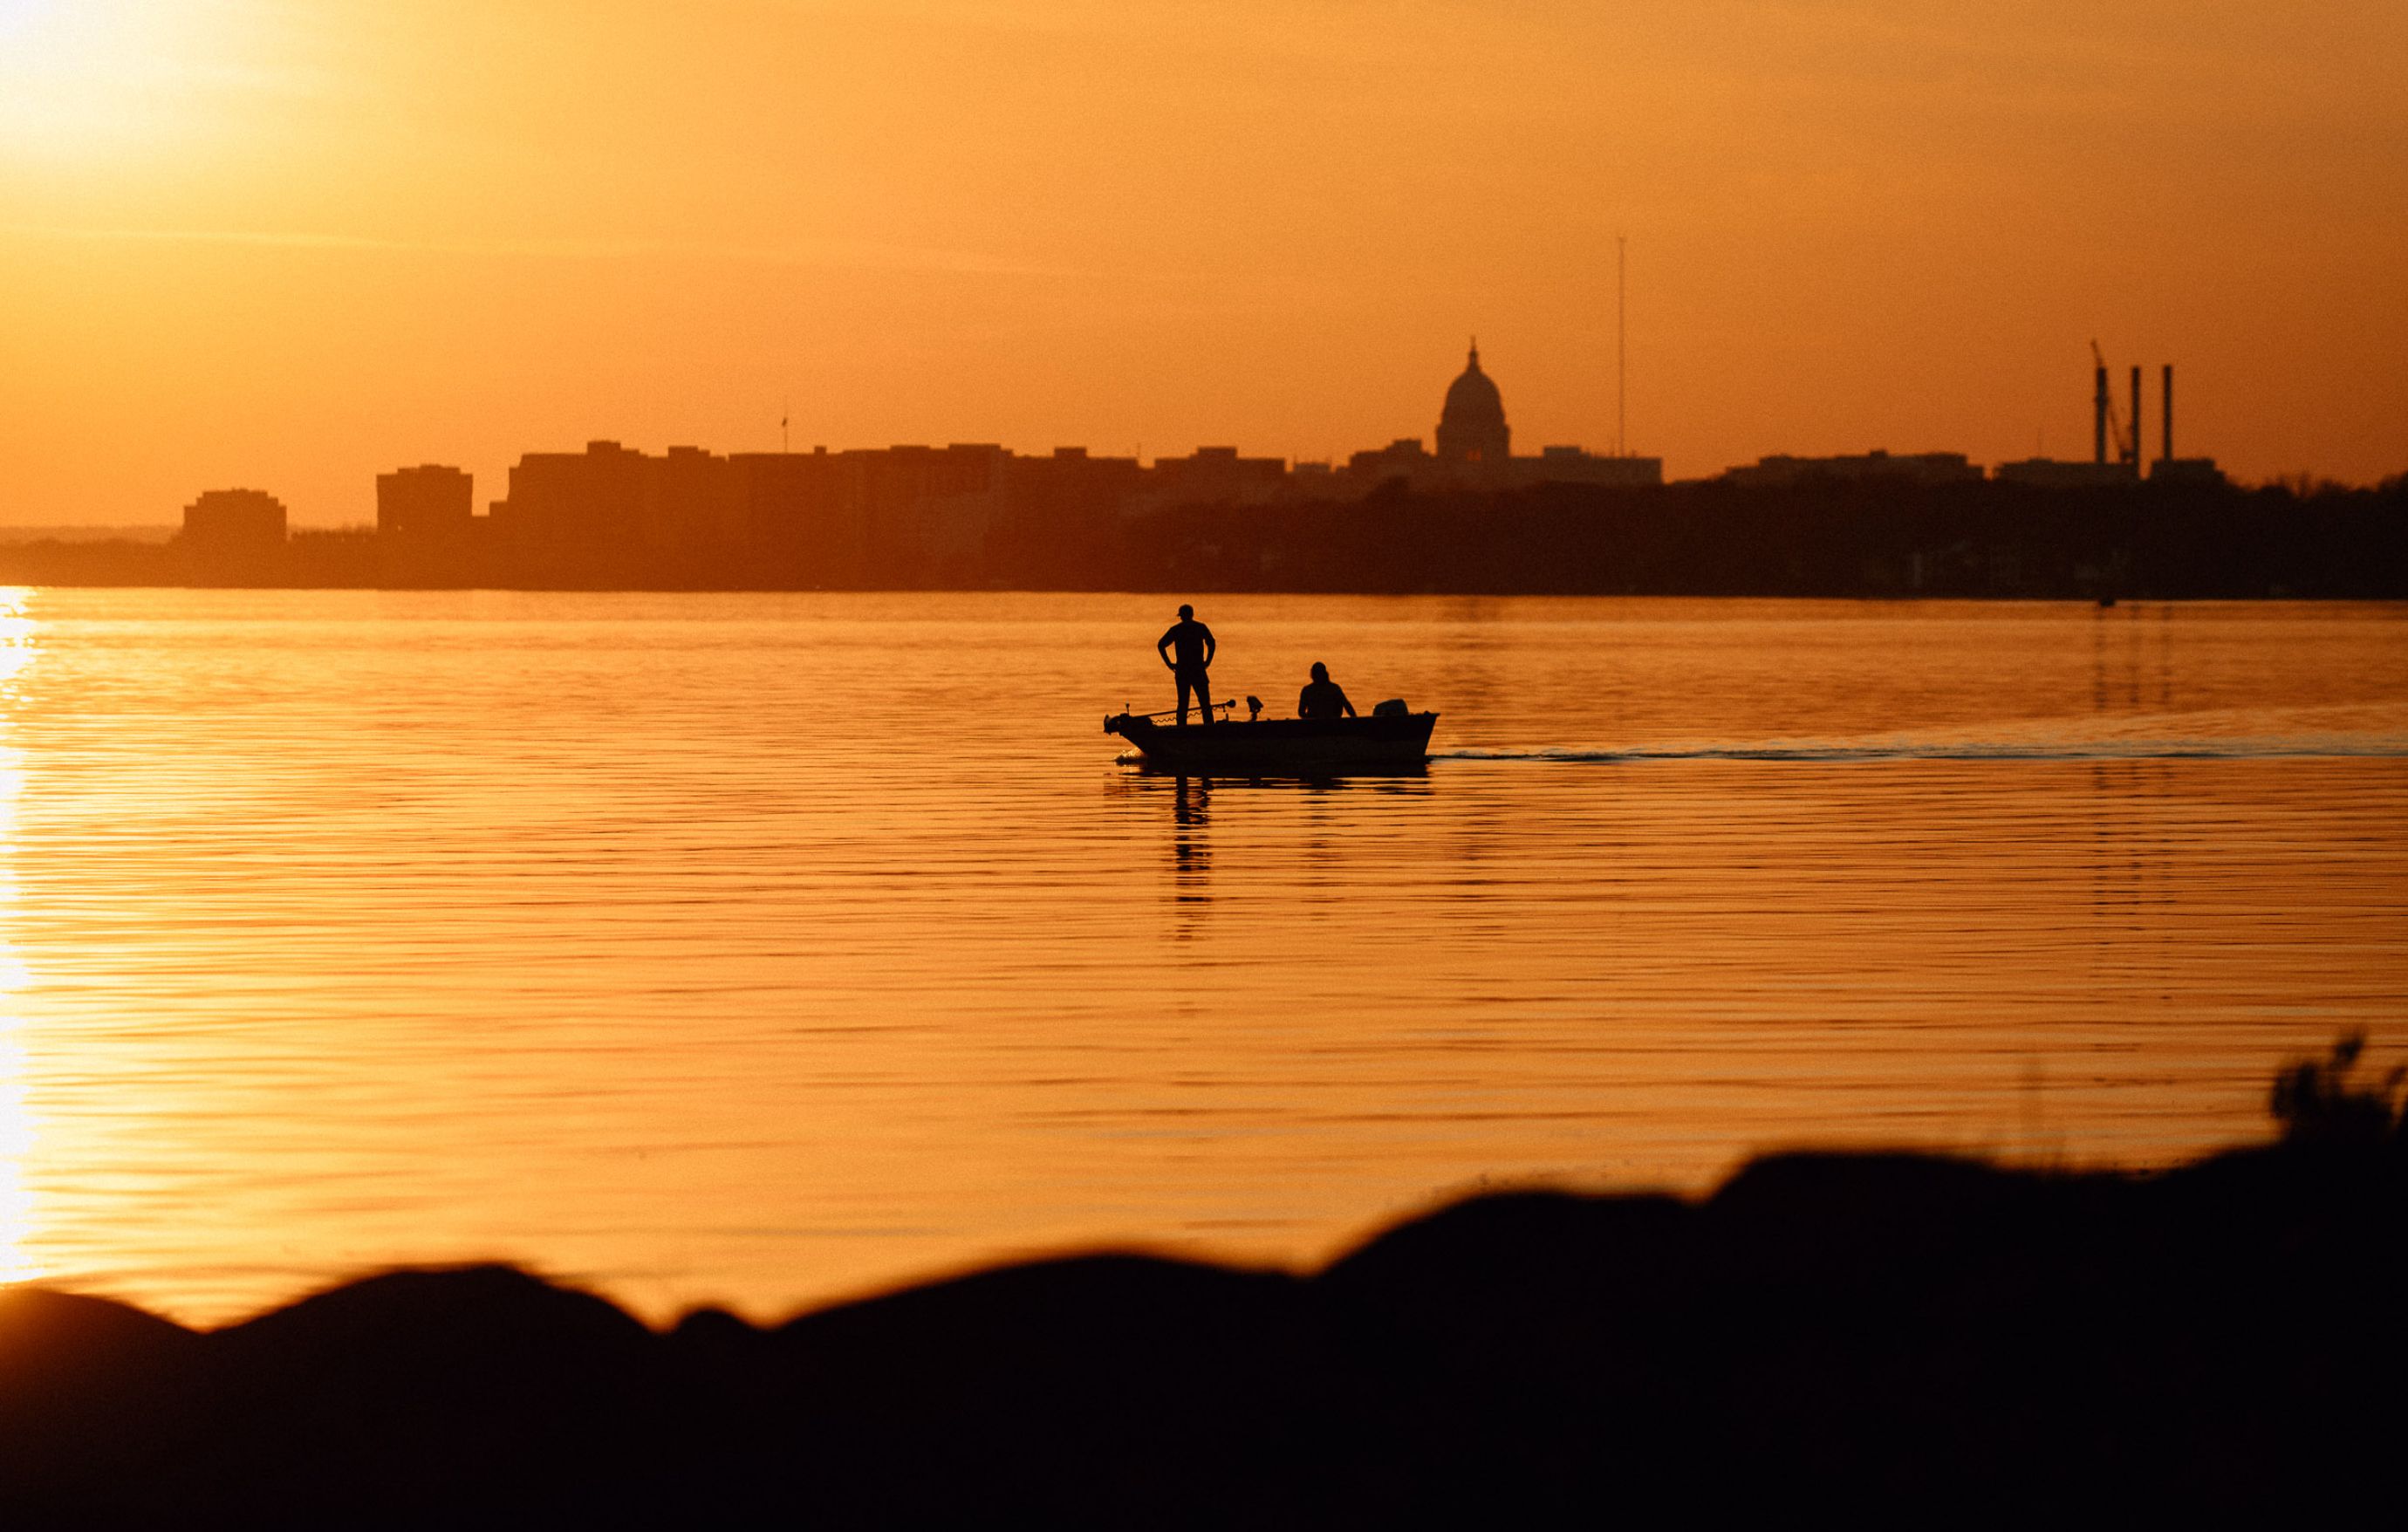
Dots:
{"x": 1621, "y": 346}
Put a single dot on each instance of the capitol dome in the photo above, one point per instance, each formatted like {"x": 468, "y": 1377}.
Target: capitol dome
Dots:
{"x": 1471, "y": 427}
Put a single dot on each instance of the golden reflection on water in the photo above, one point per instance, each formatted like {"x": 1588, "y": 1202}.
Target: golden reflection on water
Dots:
{"x": 766, "y": 949}
{"x": 17, "y": 648}
{"x": 16, "y": 1143}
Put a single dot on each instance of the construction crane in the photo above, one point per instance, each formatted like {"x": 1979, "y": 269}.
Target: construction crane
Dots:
{"x": 2128, "y": 447}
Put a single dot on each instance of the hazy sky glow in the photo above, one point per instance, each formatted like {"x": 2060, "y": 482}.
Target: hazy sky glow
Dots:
{"x": 291, "y": 242}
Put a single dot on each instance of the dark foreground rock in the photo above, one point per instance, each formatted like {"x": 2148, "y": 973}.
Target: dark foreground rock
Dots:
{"x": 1874, "y": 1335}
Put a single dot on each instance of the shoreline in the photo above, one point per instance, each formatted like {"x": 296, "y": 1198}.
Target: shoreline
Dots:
{"x": 1814, "y": 538}
{"x": 2248, "y": 598}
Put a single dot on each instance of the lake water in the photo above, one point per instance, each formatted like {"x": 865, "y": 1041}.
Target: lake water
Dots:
{"x": 767, "y": 949}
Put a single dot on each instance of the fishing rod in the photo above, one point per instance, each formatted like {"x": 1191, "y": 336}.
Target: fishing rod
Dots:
{"x": 1174, "y": 712}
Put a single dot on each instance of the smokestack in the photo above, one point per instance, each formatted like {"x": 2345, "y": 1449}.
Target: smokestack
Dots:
{"x": 2099, "y": 415}
{"x": 2136, "y": 421}
{"x": 2166, "y": 416}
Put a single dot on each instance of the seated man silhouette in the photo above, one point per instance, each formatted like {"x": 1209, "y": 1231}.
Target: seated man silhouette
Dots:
{"x": 1323, "y": 697}
{"x": 1187, "y": 649}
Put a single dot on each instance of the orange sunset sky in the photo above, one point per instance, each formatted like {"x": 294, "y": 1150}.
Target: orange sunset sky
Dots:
{"x": 289, "y": 243}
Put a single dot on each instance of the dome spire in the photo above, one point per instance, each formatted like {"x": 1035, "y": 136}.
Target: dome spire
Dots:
{"x": 1471, "y": 428}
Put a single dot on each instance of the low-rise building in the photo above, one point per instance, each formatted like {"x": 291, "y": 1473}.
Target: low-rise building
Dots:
{"x": 234, "y": 519}
{"x": 1911, "y": 467}
{"x": 1576, "y": 466}
{"x": 2185, "y": 470}
{"x": 427, "y": 502}
{"x": 1217, "y": 476}
{"x": 2062, "y": 474}
{"x": 1404, "y": 458}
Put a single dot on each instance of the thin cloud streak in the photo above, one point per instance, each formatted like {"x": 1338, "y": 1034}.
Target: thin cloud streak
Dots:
{"x": 847, "y": 254}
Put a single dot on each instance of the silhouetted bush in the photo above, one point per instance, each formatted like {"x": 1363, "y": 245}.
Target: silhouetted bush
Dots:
{"x": 2317, "y": 1101}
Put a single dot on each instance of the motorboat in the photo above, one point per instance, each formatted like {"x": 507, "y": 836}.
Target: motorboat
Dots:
{"x": 1299, "y": 746}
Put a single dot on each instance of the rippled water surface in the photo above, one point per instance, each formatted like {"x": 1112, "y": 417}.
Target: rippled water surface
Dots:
{"x": 765, "y": 949}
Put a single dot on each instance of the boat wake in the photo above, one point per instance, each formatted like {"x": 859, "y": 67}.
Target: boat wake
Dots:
{"x": 2105, "y": 747}
{"x": 2221, "y": 750}
{"x": 2347, "y": 731}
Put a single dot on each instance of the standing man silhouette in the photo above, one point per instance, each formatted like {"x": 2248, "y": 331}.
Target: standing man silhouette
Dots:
{"x": 1187, "y": 649}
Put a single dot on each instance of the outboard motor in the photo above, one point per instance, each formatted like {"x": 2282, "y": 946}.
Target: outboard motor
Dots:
{"x": 1253, "y": 708}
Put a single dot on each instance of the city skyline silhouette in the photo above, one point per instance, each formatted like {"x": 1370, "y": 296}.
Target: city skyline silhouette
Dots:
{"x": 243, "y": 248}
